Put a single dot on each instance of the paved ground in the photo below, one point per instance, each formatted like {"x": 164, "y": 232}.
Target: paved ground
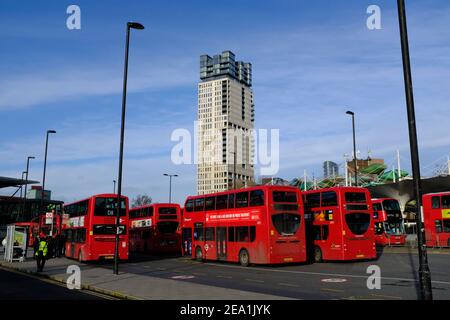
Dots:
{"x": 147, "y": 277}
{"x": 17, "y": 286}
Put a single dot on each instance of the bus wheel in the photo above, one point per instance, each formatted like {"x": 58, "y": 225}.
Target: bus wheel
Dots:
{"x": 317, "y": 254}
{"x": 244, "y": 258}
{"x": 198, "y": 254}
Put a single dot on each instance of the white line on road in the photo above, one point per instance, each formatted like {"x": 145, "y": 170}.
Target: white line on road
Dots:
{"x": 321, "y": 274}
{"x": 254, "y": 280}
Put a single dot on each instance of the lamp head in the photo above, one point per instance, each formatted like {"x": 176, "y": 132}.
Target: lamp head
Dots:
{"x": 51, "y": 131}
{"x": 135, "y": 25}
{"x": 350, "y": 113}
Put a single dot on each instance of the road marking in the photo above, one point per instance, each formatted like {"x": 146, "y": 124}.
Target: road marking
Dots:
{"x": 288, "y": 285}
{"x": 320, "y": 274}
{"x": 254, "y": 280}
{"x": 199, "y": 273}
{"x": 334, "y": 280}
{"x": 226, "y": 277}
{"x": 185, "y": 277}
{"x": 384, "y": 296}
{"x": 332, "y": 290}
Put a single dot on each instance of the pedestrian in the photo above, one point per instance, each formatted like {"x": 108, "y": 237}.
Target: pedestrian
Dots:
{"x": 41, "y": 253}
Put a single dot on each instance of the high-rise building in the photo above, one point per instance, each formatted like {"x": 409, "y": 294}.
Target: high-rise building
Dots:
{"x": 330, "y": 169}
{"x": 225, "y": 124}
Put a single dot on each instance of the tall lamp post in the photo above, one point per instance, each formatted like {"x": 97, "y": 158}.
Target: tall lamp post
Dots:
{"x": 354, "y": 147}
{"x": 138, "y": 26}
{"x": 45, "y": 168}
{"x": 26, "y": 179}
{"x": 114, "y": 181}
{"x": 424, "y": 271}
{"x": 170, "y": 184}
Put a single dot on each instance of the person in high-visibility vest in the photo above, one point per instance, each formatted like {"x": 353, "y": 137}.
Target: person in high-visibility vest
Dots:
{"x": 41, "y": 253}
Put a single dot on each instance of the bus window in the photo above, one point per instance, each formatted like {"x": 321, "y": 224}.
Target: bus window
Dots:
{"x": 445, "y": 202}
{"x": 108, "y": 207}
{"x": 209, "y": 234}
{"x": 447, "y": 225}
{"x": 189, "y": 205}
{"x": 358, "y": 223}
{"x": 241, "y": 234}
{"x": 241, "y": 199}
{"x": 222, "y": 202}
{"x": 312, "y": 200}
{"x": 284, "y": 196}
{"x": 256, "y": 198}
{"x": 329, "y": 199}
{"x": 230, "y": 234}
{"x": 438, "y": 224}
{"x": 286, "y": 223}
{"x": 198, "y": 231}
{"x": 199, "y": 204}
{"x": 210, "y": 203}
{"x": 167, "y": 226}
{"x": 435, "y": 202}
{"x": 252, "y": 233}
{"x": 355, "y": 197}
{"x": 231, "y": 201}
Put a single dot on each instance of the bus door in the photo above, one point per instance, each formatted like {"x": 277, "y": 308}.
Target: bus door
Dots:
{"x": 186, "y": 240}
{"x": 221, "y": 243}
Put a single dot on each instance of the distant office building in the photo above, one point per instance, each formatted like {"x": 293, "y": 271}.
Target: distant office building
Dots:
{"x": 330, "y": 169}
{"x": 225, "y": 124}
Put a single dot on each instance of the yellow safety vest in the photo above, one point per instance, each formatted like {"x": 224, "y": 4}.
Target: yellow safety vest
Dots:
{"x": 42, "y": 247}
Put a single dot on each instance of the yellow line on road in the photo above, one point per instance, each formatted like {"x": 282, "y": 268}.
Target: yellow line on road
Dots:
{"x": 384, "y": 296}
{"x": 331, "y": 290}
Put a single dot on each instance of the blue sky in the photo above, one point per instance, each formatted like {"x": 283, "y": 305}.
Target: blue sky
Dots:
{"x": 312, "y": 60}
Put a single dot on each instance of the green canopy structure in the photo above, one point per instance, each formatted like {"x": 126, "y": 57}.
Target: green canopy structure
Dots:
{"x": 392, "y": 175}
{"x": 376, "y": 168}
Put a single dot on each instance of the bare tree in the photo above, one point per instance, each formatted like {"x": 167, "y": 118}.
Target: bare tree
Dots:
{"x": 141, "y": 200}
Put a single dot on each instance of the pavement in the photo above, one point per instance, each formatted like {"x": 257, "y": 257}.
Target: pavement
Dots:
{"x": 18, "y": 286}
{"x": 180, "y": 278}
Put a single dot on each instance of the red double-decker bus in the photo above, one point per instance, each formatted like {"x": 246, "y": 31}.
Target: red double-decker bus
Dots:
{"x": 388, "y": 222}
{"x": 258, "y": 225}
{"x": 90, "y": 228}
{"x": 155, "y": 228}
{"x": 436, "y": 212}
{"x": 339, "y": 224}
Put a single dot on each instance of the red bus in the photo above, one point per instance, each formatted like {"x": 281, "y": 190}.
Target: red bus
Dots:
{"x": 90, "y": 228}
{"x": 259, "y": 225}
{"x": 155, "y": 228}
{"x": 388, "y": 222}
{"x": 436, "y": 211}
{"x": 339, "y": 224}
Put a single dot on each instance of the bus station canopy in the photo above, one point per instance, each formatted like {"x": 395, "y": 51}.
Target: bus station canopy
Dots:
{"x": 6, "y": 182}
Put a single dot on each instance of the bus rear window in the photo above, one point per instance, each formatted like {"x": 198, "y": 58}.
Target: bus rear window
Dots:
{"x": 108, "y": 229}
{"x": 107, "y": 207}
{"x": 167, "y": 227}
{"x": 284, "y": 196}
{"x": 355, "y": 197}
{"x": 167, "y": 210}
{"x": 358, "y": 223}
{"x": 286, "y": 224}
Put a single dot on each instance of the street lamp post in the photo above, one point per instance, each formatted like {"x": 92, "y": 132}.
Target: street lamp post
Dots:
{"x": 43, "y": 176}
{"x": 26, "y": 179}
{"x": 354, "y": 147}
{"x": 424, "y": 271}
{"x": 114, "y": 181}
{"x": 170, "y": 184}
{"x": 138, "y": 26}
